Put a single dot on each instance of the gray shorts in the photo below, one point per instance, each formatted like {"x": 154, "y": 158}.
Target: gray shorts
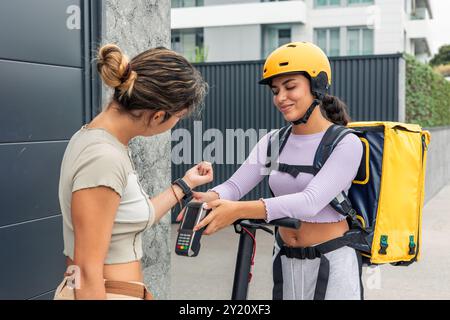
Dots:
{"x": 296, "y": 279}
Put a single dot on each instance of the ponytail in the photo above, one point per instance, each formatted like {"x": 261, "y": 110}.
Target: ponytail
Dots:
{"x": 335, "y": 110}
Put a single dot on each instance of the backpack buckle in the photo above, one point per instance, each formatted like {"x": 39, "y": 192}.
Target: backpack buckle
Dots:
{"x": 412, "y": 246}
{"x": 383, "y": 245}
{"x": 352, "y": 213}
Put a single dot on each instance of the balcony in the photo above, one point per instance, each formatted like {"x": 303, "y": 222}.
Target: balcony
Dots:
{"x": 239, "y": 14}
{"x": 420, "y": 14}
{"x": 419, "y": 24}
{"x": 421, "y": 10}
{"x": 418, "y": 27}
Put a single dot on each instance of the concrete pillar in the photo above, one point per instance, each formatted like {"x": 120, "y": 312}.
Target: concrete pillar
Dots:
{"x": 135, "y": 26}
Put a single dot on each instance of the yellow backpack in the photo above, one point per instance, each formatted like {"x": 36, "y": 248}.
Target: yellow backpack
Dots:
{"x": 384, "y": 203}
{"x": 388, "y": 192}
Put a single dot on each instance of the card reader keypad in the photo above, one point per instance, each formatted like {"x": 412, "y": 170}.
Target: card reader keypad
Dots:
{"x": 183, "y": 241}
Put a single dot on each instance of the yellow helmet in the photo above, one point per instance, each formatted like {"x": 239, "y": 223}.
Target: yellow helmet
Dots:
{"x": 299, "y": 57}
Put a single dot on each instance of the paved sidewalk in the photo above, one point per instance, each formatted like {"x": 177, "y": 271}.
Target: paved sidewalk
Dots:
{"x": 210, "y": 275}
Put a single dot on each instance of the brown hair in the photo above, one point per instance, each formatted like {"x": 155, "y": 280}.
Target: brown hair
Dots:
{"x": 158, "y": 79}
{"x": 335, "y": 110}
{"x": 331, "y": 107}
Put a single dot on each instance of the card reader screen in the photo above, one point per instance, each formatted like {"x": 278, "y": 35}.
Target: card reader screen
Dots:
{"x": 190, "y": 218}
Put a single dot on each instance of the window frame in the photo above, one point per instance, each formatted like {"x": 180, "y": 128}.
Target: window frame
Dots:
{"x": 198, "y": 3}
{"x": 328, "y": 40}
{"x": 359, "y": 3}
{"x": 199, "y": 35}
{"x": 265, "y": 50}
{"x": 328, "y": 5}
{"x": 360, "y": 30}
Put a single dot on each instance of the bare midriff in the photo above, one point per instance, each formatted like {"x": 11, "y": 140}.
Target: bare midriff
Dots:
{"x": 313, "y": 233}
{"x": 130, "y": 271}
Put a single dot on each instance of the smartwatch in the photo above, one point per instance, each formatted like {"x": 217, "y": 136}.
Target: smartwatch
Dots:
{"x": 186, "y": 190}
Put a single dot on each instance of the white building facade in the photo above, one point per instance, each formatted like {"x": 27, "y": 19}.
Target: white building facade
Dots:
{"x": 239, "y": 30}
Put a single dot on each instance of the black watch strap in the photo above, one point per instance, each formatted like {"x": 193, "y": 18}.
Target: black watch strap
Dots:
{"x": 184, "y": 186}
{"x": 185, "y": 200}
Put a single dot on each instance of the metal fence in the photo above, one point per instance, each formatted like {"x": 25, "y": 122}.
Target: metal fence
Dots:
{"x": 370, "y": 85}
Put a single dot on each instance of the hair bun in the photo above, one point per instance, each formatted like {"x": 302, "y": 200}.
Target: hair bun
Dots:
{"x": 126, "y": 73}
{"x": 114, "y": 68}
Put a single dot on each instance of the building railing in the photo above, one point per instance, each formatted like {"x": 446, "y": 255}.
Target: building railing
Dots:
{"x": 420, "y": 14}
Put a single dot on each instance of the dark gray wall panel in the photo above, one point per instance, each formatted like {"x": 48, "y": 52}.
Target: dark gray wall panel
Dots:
{"x": 37, "y": 31}
{"x": 30, "y": 178}
{"x": 39, "y": 102}
{"x": 48, "y": 89}
{"x": 31, "y": 258}
{"x": 45, "y": 296}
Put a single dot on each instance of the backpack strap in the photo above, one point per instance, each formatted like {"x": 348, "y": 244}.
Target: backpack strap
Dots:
{"x": 334, "y": 134}
{"x": 277, "y": 139}
{"x": 281, "y": 137}
{"x": 317, "y": 251}
{"x": 294, "y": 170}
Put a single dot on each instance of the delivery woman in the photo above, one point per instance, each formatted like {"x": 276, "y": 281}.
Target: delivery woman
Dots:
{"x": 299, "y": 75}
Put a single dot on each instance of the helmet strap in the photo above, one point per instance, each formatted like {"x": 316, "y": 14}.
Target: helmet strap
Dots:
{"x": 307, "y": 114}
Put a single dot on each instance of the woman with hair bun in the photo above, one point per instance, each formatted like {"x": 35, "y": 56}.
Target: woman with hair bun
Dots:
{"x": 299, "y": 75}
{"x": 104, "y": 207}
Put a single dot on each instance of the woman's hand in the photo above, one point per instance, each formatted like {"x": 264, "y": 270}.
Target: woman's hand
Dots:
{"x": 223, "y": 214}
{"x": 199, "y": 197}
{"x": 200, "y": 174}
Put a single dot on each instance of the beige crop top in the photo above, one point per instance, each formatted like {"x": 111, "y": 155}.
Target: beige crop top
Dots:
{"x": 94, "y": 158}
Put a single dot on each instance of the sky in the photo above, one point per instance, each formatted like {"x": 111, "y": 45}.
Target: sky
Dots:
{"x": 441, "y": 23}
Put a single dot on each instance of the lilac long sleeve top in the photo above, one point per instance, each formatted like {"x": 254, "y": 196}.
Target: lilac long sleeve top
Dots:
{"x": 305, "y": 197}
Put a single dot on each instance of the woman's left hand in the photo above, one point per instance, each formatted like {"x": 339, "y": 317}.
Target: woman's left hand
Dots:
{"x": 223, "y": 214}
{"x": 199, "y": 175}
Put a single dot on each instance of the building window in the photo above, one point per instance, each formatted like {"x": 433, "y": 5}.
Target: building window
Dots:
{"x": 189, "y": 42}
{"x": 359, "y": 41}
{"x": 350, "y": 2}
{"x": 328, "y": 40}
{"x": 324, "y": 3}
{"x": 187, "y": 3}
{"x": 275, "y": 36}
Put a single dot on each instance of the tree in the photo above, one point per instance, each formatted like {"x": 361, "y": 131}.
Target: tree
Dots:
{"x": 442, "y": 57}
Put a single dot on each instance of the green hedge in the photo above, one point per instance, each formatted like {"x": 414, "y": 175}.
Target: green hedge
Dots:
{"x": 427, "y": 95}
